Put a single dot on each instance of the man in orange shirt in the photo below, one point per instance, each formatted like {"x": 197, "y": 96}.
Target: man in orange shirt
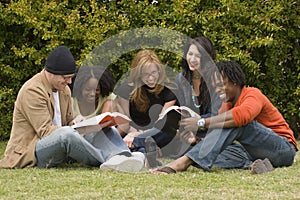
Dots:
{"x": 247, "y": 116}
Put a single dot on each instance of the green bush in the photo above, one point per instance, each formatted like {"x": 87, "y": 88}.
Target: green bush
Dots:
{"x": 263, "y": 36}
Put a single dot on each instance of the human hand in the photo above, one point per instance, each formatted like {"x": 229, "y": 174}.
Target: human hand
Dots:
{"x": 78, "y": 118}
{"x": 190, "y": 123}
{"x": 128, "y": 139}
{"x": 188, "y": 136}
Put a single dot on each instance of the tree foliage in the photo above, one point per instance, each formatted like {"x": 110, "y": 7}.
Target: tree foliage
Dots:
{"x": 262, "y": 35}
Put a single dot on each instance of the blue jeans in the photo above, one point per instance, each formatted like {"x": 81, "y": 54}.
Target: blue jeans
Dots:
{"x": 234, "y": 156}
{"x": 161, "y": 139}
{"x": 66, "y": 143}
{"x": 259, "y": 141}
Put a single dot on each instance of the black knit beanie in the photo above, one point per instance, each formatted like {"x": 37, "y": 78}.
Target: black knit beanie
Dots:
{"x": 60, "y": 61}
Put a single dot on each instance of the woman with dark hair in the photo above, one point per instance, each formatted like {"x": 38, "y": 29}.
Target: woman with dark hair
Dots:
{"x": 193, "y": 91}
{"x": 196, "y": 92}
{"x": 92, "y": 91}
{"x": 92, "y": 95}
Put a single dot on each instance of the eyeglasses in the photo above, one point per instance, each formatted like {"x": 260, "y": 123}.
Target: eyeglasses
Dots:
{"x": 67, "y": 77}
{"x": 147, "y": 75}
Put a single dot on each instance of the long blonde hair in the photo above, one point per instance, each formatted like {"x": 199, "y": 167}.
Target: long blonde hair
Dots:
{"x": 143, "y": 59}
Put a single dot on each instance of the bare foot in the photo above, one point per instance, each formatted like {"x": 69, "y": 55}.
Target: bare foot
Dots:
{"x": 163, "y": 171}
{"x": 179, "y": 165}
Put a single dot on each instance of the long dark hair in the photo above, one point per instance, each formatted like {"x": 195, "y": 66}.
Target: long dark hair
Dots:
{"x": 206, "y": 48}
{"x": 105, "y": 79}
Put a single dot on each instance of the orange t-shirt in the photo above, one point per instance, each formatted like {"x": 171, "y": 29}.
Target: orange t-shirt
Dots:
{"x": 253, "y": 105}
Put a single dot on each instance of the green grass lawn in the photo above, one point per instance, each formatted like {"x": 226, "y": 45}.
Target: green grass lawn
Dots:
{"x": 78, "y": 182}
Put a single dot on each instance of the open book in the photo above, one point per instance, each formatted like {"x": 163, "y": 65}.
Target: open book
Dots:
{"x": 116, "y": 118}
{"x": 182, "y": 110}
{"x": 168, "y": 120}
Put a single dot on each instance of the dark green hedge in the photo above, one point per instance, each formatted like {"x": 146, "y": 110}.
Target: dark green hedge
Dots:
{"x": 263, "y": 36}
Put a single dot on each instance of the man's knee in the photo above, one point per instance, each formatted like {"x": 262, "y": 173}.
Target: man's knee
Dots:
{"x": 67, "y": 134}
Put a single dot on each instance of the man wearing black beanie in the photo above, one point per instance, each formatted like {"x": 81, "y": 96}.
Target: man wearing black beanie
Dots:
{"x": 41, "y": 134}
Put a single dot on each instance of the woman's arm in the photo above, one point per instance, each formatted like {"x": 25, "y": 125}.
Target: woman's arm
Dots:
{"x": 121, "y": 105}
{"x": 167, "y": 105}
{"x": 107, "y": 106}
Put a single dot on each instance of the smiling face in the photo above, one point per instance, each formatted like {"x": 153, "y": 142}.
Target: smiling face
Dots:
{"x": 90, "y": 91}
{"x": 150, "y": 75}
{"x": 226, "y": 89}
{"x": 59, "y": 82}
{"x": 193, "y": 58}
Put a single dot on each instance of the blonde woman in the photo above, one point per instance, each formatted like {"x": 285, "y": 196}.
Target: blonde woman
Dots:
{"x": 146, "y": 94}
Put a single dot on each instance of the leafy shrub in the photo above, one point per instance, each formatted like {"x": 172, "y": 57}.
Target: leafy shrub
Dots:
{"x": 263, "y": 36}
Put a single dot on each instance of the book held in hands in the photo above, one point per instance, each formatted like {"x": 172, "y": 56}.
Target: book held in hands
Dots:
{"x": 182, "y": 110}
{"x": 116, "y": 118}
{"x": 174, "y": 114}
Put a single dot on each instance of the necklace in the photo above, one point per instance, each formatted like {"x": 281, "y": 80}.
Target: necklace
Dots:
{"x": 194, "y": 98}
{"x": 197, "y": 76}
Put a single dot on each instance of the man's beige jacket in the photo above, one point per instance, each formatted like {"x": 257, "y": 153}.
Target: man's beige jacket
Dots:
{"x": 32, "y": 120}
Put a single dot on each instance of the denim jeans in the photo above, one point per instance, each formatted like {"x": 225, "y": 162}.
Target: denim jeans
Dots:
{"x": 161, "y": 139}
{"x": 234, "y": 156}
{"x": 259, "y": 141}
{"x": 66, "y": 143}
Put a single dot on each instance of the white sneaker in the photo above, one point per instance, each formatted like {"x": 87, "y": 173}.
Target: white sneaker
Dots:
{"x": 123, "y": 163}
{"x": 139, "y": 155}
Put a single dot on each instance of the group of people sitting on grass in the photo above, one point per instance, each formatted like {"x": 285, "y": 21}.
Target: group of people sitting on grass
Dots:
{"x": 233, "y": 126}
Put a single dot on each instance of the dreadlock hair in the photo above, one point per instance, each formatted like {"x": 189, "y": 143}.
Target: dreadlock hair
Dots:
{"x": 142, "y": 60}
{"x": 105, "y": 79}
{"x": 208, "y": 55}
{"x": 231, "y": 70}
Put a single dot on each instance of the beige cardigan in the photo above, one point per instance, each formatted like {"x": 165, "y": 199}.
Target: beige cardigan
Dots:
{"x": 32, "y": 120}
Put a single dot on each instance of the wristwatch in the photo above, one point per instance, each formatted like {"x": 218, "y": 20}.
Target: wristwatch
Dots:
{"x": 201, "y": 124}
